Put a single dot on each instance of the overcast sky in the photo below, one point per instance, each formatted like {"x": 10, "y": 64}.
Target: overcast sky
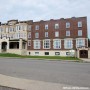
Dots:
{"x": 44, "y": 9}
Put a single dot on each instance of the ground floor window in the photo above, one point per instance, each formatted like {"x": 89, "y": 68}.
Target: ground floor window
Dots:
{"x": 67, "y": 53}
{"x": 36, "y": 53}
{"x": 29, "y": 53}
{"x": 46, "y": 53}
{"x": 57, "y": 53}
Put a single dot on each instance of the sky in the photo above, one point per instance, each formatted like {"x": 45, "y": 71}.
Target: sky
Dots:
{"x": 37, "y": 10}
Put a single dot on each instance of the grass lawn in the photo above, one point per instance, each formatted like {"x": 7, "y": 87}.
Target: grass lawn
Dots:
{"x": 39, "y": 57}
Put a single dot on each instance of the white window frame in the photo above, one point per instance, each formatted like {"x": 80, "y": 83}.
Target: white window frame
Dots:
{"x": 57, "y": 34}
{"x": 37, "y": 27}
{"x": 29, "y": 27}
{"x": 80, "y": 43}
{"x": 29, "y": 42}
{"x": 36, "y": 35}
{"x": 68, "y": 43}
{"x": 37, "y": 44}
{"x": 46, "y": 34}
{"x": 67, "y": 33}
{"x": 46, "y": 26}
{"x": 67, "y": 24}
{"x": 79, "y": 23}
{"x": 46, "y": 44}
{"x": 57, "y": 26}
{"x": 56, "y": 44}
{"x": 79, "y": 32}
{"x": 29, "y": 34}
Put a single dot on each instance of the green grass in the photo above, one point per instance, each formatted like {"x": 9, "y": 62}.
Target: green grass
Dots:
{"x": 39, "y": 57}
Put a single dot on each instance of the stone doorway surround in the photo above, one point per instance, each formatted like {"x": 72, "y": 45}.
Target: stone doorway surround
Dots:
{"x": 81, "y": 50}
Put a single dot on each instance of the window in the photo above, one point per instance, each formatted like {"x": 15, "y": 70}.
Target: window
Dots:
{"x": 46, "y": 34}
{"x": 29, "y": 42}
{"x": 57, "y": 53}
{"x": 79, "y": 24}
{"x": 68, "y": 44}
{"x": 25, "y": 27}
{"x": 29, "y": 34}
{"x": 46, "y": 44}
{"x": 36, "y": 53}
{"x": 10, "y": 29}
{"x": 67, "y": 33}
{"x": 57, "y": 44}
{"x": 46, "y": 26}
{"x": 57, "y": 26}
{"x": 25, "y": 35}
{"x": 37, "y": 27}
{"x": 21, "y": 35}
{"x": 80, "y": 42}
{"x": 79, "y": 32}
{"x": 29, "y": 53}
{"x": 37, "y": 44}
{"x": 36, "y": 35}
{"x": 18, "y": 27}
{"x": 46, "y": 53}
{"x": 6, "y": 29}
{"x": 67, "y": 25}
{"x": 29, "y": 27}
{"x": 56, "y": 34}
{"x": 67, "y": 53}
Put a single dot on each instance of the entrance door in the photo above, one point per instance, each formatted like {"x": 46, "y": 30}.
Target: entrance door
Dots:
{"x": 83, "y": 53}
{"x": 4, "y": 46}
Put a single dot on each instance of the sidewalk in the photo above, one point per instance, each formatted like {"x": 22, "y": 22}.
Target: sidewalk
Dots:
{"x": 85, "y": 60}
{"x": 25, "y": 84}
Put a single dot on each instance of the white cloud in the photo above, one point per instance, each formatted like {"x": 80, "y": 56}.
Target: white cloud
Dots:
{"x": 43, "y": 9}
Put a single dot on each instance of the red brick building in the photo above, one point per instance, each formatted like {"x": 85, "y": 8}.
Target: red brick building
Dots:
{"x": 57, "y": 37}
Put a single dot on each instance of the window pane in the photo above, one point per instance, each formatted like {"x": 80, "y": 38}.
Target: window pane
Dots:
{"x": 57, "y": 26}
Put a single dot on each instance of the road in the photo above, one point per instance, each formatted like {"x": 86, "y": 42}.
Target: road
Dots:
{"x": 68, "y": 73}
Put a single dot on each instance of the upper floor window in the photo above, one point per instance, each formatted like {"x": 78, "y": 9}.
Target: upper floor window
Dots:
{"x": 29, "y": 27}
{"x": 37, "y": 27}
{"x": 67, "y": 33}
{"x": 68, "y": 44}
{"x": 56, "y": 44}
{"x": 29, "y": 42}
{"x": 46, "y": 44}
{"x": 56, "y": 26}
{"x": 29, "y": 34}
{"x": 79, "y": 32}
{"x": 46, "y": 34}
{"x": 46, "y": 26}
{"x": 18, "y": 27}
{"x": 67, "y": 25}
{"x": 36, "y": 35}
{"x": 11, "y": 29}
{"x": 79, "y": 24}
{"x": 56, "y": 34}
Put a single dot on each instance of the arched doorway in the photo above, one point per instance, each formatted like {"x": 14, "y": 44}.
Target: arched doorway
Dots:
{"x": 4, "y": 46}
{"x": 83, "y": 53}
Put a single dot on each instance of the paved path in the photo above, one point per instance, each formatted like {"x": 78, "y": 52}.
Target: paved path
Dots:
{"x": 25, "y": 84}
{"x": 86, "y": 60}
{"x": 47, "y": 72}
